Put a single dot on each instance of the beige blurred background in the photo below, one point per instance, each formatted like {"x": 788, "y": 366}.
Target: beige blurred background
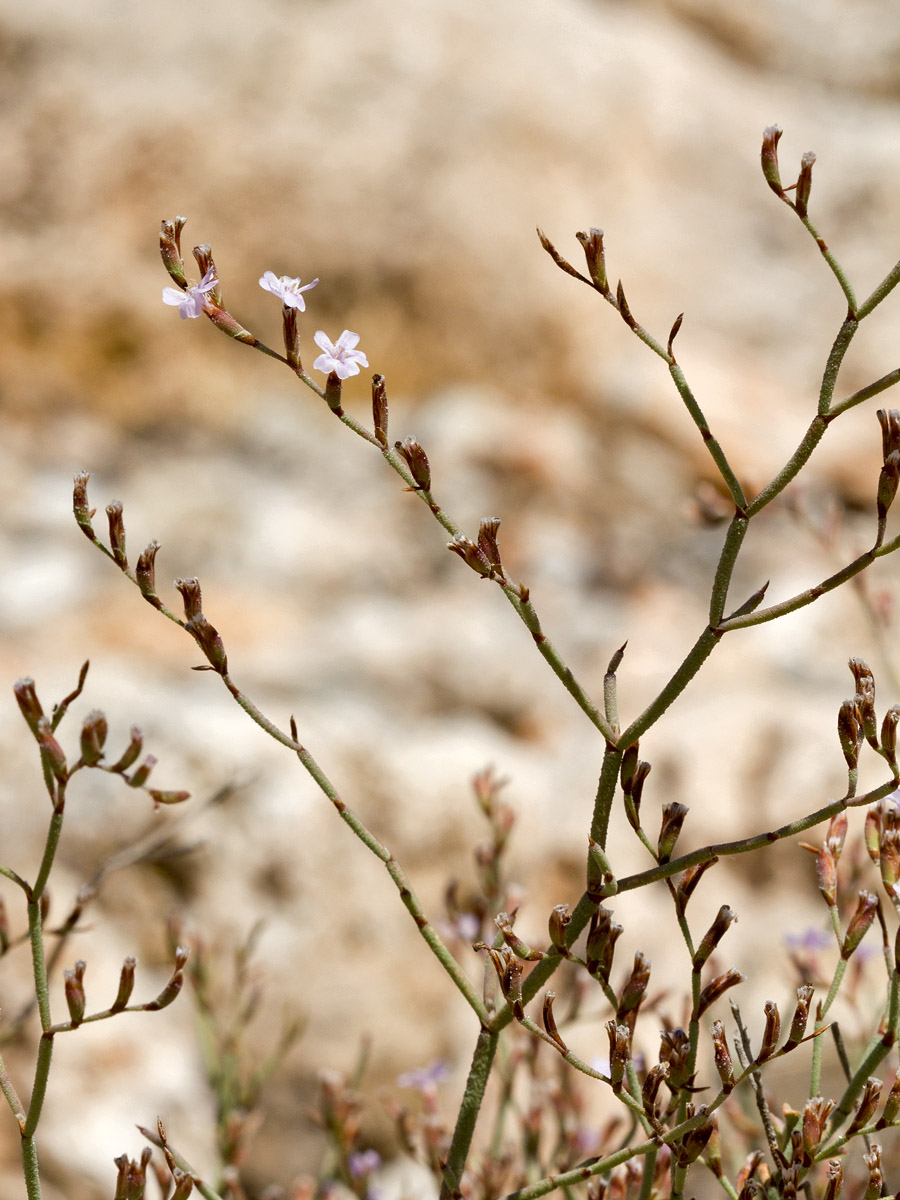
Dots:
{"x": 404, "y": 153}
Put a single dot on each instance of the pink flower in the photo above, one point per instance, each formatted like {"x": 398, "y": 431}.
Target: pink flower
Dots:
{"x": 286, "y": 288}
{"x": 192, "y": 302}
{"x": 341, "y": 356}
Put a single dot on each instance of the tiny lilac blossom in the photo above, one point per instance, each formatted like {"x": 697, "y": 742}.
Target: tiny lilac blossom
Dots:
{"x": 424, "y": 1077}
{"x": 363, "y": 1162}
{"x": 340, "y": 357}
{"x": 191, "y": 303}
{"x": 286, "y": 288}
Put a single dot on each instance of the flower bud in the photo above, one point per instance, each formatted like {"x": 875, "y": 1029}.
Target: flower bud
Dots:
{"x": 93, "y": 737}
{"x": 29, "y": 705}
{"x": 471, "y": 554}
{"x": 592, "y": 244}
{"x": 724, "y": 1065}
{"x": 634, "y": 991}
{"x": 622, "y": 306}
{"x": 291, "y": 332}
{"x": 203, "y": 255}
{"x": 889, "y": 419}
{"x": 81, "y": 508}
{"x": 872, "y": 832}
{"x": 629, "y": 766}
{"x": 714, "y": 935}
{"x": 132, "y": 752}
{"x": 487, "y": 544}
{"x": 145, "y": 573}
{"x": 417, "y": 461}
{"x": 890, "y": 861}
{"x": 51, "y": 751}
{"x": 222, "y": 319}
{"x": 769, "y": 158}
{"x": 380, "y": 410}
{"x": 559, "y": 921}
{"x": 656, "y": 1076}
{"x": 867, "y": 1105}
{"x": 804, "y": 184}
{"x": 865, "y": 697}
{"x": 835, "y": 1182}
{"x": 816, "y": 1112}
{"x": 849, "y": 733}
{"x": 74, "y": 989}
{"x": 674, "y": 1050}
{"x": 173, "y": 987}
{"x": 826, "y": 875}
{"x": 126, "y": 985}
{"x": 117, "y": 533}
{"x": 550, "y": 1022}
{"x": 717, "y": 987}
{"x": 141, "y": 775}
{"x": 167, "y": 797}
{"x": 333, "y": 389}
{"x": 859, "y": 924}
{"x": 688, "y": 881}
{"x": 875, "y": 1185}
{"x": 801, "y": 1016}
{"x": 772, "y": 1032}
{"x": 619, "y": 1053}
{"x": 191, "y": 595}
{"x": 210, "y": 642}
{"x": 673, "y": 816}
{"x": 512, "y": 939}
{"x": 889, "y": 734}
{"x": 170, "y": 249}
{"x": 603, "y": 934}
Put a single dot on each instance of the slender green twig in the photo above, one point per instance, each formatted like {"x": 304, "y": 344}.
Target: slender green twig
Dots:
{"x": 473, "y": 1096}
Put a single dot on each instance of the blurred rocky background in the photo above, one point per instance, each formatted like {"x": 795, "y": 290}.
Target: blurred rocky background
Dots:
{"x": 404, "y": 153}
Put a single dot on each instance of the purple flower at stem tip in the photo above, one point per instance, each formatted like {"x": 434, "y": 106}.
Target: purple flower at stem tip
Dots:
{"x": 286, "y": 288}
{"x": 340, "y": 357}
{"x": 191, "y": 303}
{"x": 363, "y": 1162}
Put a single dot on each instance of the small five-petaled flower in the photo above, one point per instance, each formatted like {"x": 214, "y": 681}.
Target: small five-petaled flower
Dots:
{"x": 340, "y": 357}
{"x": 286, "y": 288}
{"x": 192, "y": 302}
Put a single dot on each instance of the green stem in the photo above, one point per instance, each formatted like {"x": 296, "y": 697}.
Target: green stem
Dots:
{"x": 697, "y": 656}
{"x": 884, "y": 288}
{"x": 378, "y": 848}
{"x": 866, "y": 393}
{"x": 479, "y": 1073}
{"x": 836, "y": 268}
{"x": 833, "y": 363}
{"x": 877, "y": 1052}
{"x": 792, "y": 467}
{"x": 716, "y": 452}
{"x": 606, "y": 791}
{"x": 30, "y": 1169}
{"x": 725, "y": 569}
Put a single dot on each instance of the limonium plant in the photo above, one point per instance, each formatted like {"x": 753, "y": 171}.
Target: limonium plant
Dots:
{"x": 691, "y": 1101}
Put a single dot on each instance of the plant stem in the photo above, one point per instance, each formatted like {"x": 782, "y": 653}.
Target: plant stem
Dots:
{"x": 479, "y": 1072}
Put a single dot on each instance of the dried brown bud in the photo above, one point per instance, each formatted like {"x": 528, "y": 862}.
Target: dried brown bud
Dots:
{"x": 333, "y": 389}
{"x": 622, "y": 305}
{"x": 875, "y": 1184}
{"x": 891, "y": 1105}
{"x": 769, "y": 158}
{"x": 291, "y": 332}
{"x": 592, "y": 244}
{"x": 849, "y": 733}
{"x": 487, "y": 544}
{"x": 826, "y": 875}
{"x": 559, "y": 921}
{"x": 29, "y": 705}
{"x": 656, "y": 1076}
{"x": 804, "y": 184}
{"x": 717, "y": 987}
{"x": 889, "y": 419}
{"x": 126, "y": 985}
{"x": 132, "y": 751}
{"x": 835, "y": 1180}
{"x": 380, "y": 410}
{"x": 859, "y": 924}
{"x": 550, "y": 1022}
{"x": 191, "y": 596}
{"x": 117, "y": 533}
{"x": 74, "y": 989}
{"x": 173, "y": 987}
{"x": 203, "y": 255}
{"x": 714, "y": 935}
{"x": 51, "y": 751}
{"x": 816, "y": 1112}
{"x": 93, "y": 737}
{"x": 888, "y": 480}
{"x": 771, "y": 1033}
{"x": 673, "y": 816}
{"x": 867, "y": 1105}
{"x": 81, "y": 508}
{"x": 619, "y": 1052}
{"x": 634, "y": 794}
{"x": 142, "y": 774}
{"x": 674, "y": 1050}
{"x": 471, "y": 554}
{"x": 724, "y": 1065}
{"x": 634, "y": 991}
{"x": 145, "y": 573}
{"x": 889, "y": 734}
{"x": 210, "y": 642}
{"x": 417, "y": 461}
{"x": 688, "y": 882}
{"x": 801, "y": 1016}
{"x": 512, "y": 939}
{"x": 629, "y": 766}
{"x": 170, "y": 249}
{"x": 865, "y": 699}
{"x": 603, "y": 934}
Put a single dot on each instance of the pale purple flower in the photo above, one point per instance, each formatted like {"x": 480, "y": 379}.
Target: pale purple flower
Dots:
{"x": 341, "y": 356}
{"x": 424, "y": 1077}
{"x": 363, "y": 1162}
{"x": 191, "y": 303}
{"x": 286, "y": 288}
{"x": 809, "y": 940}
